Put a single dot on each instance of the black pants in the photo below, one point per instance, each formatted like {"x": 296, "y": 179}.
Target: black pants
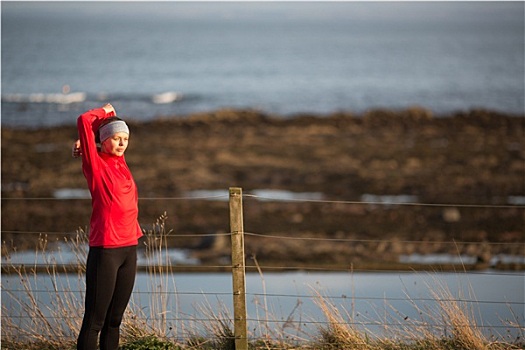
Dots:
{"x": 110, "y": 276}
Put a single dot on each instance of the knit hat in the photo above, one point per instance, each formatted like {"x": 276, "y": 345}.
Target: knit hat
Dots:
{"x": 110, "y": 129}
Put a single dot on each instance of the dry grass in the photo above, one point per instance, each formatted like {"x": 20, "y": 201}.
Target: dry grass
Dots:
{"x": 57, "y": 324}
{"x": 340, "y": 332}
{"x": 143, "y": 321}
{"x": 459, "y": 320}
{"x": 450, "y": 325}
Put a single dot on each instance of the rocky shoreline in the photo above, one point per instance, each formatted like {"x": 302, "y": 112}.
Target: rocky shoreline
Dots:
{"x": 472, "y": 164}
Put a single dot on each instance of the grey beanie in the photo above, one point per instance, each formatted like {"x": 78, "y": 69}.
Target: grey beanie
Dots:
{"x": 112, "y": 128}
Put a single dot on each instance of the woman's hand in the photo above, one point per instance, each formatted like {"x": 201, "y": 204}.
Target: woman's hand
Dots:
{"x": 109, "y": 109}
{"x": 77, "y": 150}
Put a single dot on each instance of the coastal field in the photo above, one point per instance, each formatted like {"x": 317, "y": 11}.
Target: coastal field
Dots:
{"x": 463, "y": 175}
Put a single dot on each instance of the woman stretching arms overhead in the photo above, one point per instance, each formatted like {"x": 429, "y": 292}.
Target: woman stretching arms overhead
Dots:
{"x": 114, "y": 228}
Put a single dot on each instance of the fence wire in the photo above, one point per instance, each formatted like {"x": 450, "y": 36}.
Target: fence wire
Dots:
{"x": 296, "y": 200}
{"x": 283, "y": 237}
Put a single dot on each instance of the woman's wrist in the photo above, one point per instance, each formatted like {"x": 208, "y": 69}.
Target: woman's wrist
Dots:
{"x": 110, "y": 111}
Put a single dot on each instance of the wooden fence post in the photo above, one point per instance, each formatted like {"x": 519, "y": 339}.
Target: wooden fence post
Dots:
{"x": 238, "y": 269}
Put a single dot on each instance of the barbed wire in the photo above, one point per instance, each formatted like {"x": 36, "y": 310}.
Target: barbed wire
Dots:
{"x": 411, "y": 269}
{"x": 83, "y": 232}
{"x": 295, "y": 296}
{"x": 274, "y": 236}
{"x": 280, "y": 199}
{"x": 211, "y": 198}
{"x": 287, "y": 321}
{"x": 59, "y": 268}
{"x": 372, "y": 240}
{"x": 307, "y": 322}
{"x": 386, "y": 203}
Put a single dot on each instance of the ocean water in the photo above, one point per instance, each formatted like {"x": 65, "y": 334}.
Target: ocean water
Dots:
{"x": 171, "y": 59}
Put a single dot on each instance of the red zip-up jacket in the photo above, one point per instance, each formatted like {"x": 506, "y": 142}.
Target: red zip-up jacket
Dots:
{"x": 114, "y": 195}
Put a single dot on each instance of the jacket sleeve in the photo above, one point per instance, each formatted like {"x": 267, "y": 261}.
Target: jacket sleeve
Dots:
{"x": 87, "y": 125}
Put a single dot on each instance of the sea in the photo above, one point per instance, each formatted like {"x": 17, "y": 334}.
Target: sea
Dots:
{"x": 170, "y": 59}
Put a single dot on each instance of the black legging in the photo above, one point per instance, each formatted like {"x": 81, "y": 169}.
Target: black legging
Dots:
{"x": 110, "y": 276}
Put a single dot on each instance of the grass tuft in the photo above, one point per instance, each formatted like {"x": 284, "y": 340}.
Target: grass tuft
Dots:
{"x": 339, "y": 332}
{"x": 150, "y": 342}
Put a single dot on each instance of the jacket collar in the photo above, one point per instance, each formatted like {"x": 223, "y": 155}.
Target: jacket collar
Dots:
{"x": 111, "y": 158}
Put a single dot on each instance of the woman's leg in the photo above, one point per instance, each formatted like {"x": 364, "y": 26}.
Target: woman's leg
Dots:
{"x": 101, "y": 280}
{"x": 109, "y": 337}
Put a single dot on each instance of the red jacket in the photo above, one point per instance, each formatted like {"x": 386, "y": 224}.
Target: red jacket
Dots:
{"x": 114, "y": 195}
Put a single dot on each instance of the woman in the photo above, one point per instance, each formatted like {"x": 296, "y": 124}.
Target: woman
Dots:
{"x": 114, "y": 229}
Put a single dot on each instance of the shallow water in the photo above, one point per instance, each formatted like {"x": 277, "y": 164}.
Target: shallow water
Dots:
{"x": 374, "y": 301}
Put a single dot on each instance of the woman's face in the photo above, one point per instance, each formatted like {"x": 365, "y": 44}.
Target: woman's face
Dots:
{"x": 116, "y": 145}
